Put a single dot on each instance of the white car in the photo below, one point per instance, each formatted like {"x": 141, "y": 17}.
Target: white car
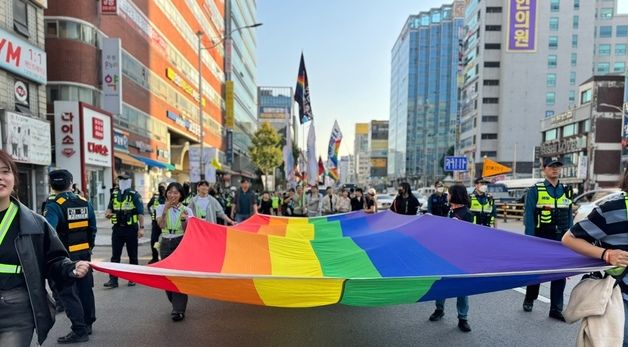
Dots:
{"x": 384, "y": 201}
{"x": 584, "y": 207}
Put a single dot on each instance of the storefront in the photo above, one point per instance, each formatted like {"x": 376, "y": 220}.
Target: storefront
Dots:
{"x": 84, "y": 146}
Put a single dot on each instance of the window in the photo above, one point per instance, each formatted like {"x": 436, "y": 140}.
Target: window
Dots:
{"x": 585, "y": 96}
{"x": 555, "y": 5}
{"x": 620, "y": 49}
{"x": 491, "y": 64}
{"x": 606, "y": 13}
{"x": 572, "y": 78}
{"x": 604, "y": 49}
{"x": 585, "y": 126}
{"x": 51, "y": 29}
{"x": 20, "y": 17}
{"x": 553, "y": 23}
{"x": 551, "y": 80}
{"x": 550, "y": 98}
{"x": 574, "y": 41}
{"x": 551, "y": 61}
{"x": 576, "y": 4}
{"x": 488, "y": 153}
{"x": 574, "y": 59}
{"x": 493, "y": 28}
{"x": 492, "y": 46}
{"x": 490, "y": 100}
{"x": 550, "y": 135}
{"x": 69, "y": 30}
{"x": 489, "y": 136}
{"x": 572, "y": 96}
{"x": 493, "y": 9}
{"x": 549, "y": 113}
{"x": 489, "y": 119}
{"x": 576, "y": 22}
{"x": 553, "y": 42}
{"x": 603, "y": 68}
{"x": 622, "y": 31}
{"x": 491, "y": 82}
{"x": 619, "y": 66}
{"x": 570, "y": 129}
{"x": 606, "y": 31}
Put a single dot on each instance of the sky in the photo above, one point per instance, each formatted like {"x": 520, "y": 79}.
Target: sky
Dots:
{"x": 347, "y": 47}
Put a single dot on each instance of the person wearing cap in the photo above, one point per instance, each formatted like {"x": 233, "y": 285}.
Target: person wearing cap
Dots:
{"x": 244, "y": 203}
{"x": 369, "y": 201}
{"x": 438, "y": 204}
{"x": 206, "y": 207}
{"x": 482, "y": 204}
{"x": 158, "y": 198}
{"x": 548, "y": 215}
{"x": 126, "y": 213}
{"x": 73, "y": 217}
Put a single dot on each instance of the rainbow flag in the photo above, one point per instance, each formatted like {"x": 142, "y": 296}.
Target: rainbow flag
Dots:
{"x": 352, "y": 259}
{"x": 332, "y": 151}
{"x": 302, "y": 94}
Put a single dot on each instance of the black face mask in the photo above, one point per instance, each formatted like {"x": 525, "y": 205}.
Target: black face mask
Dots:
{"x": 401, "y": 192}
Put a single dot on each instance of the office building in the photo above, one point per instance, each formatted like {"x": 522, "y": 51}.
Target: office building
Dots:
{"x": 378, "y": 149}
{"x": 361, "y": 152}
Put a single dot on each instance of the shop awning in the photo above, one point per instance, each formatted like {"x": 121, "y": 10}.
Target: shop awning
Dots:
{"x": 154, "y": 163}
{"x": 128, "y": 160}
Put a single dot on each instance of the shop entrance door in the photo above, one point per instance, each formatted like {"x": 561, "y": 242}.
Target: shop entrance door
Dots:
{"x": 24, "y": 189}
{"x": 95, "y": 181}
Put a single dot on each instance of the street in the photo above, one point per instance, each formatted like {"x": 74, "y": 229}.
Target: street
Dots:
{"x": 140, "y": 316}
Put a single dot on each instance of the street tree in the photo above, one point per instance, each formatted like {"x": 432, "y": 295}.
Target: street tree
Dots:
{"x": 266, "y": 150}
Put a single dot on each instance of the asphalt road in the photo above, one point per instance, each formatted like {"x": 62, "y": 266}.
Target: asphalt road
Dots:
{"x": 140, "y": 316}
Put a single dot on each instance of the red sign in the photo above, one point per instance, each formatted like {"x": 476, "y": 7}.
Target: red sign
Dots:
{"x": 97, "y": 148}
{"x": 98, "y": 128}
{"x": 109, "y": 6}
{"x": 68, "y": 138}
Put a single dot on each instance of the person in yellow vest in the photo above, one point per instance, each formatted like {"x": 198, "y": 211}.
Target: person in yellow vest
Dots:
{"x": 482, "y": 204}
{"x": 74, "y": 219}
{"x": 172, "y": 217}
{"x": 126, "y": 213}
{"x": 205, "y": 206}
{"x": 548, "y": 215}
{"x": 275, "y": 203}
{"x": 158, "y": 199}
{"x": 188, "y": 194}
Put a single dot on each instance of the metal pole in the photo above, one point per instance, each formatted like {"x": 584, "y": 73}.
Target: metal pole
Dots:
{"x": 200, "y": 104}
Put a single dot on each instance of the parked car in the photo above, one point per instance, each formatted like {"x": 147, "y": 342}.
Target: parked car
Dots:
{"x": 384, "y": 201}
{"x": 584, "y": 203}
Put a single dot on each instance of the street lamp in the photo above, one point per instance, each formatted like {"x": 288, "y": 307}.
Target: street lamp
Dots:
{"x": 200, "y": 83}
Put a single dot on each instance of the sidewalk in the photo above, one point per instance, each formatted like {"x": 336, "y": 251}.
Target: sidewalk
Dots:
{"x": 103, "y": 236}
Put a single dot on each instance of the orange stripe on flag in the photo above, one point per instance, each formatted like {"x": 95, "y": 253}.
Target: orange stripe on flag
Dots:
{"x": 246, "y": 254}
{"x": 233, "y": 290}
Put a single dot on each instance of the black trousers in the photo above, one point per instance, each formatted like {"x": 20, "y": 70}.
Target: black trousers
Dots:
{"x": 124, "y": 235}
{"x": 78, "y": 298}
{"x": 179, "y": 301}
{"x": 557, "y": 290}
{"x": 155, "y": 232}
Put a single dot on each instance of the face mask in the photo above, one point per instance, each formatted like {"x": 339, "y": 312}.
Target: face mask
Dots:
{"x": 483, "y": 189}
{"x": 124, "y": 185}
{"x": 440, "y": 189}
{"x": 401, "y": 191}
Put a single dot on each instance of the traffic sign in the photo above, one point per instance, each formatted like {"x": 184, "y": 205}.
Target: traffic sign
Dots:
{"x": 455, "y": 163}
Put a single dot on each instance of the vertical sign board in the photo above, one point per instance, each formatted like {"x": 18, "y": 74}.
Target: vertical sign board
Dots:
{"x": 68, "y": 138}
{"x": 109, "y": 7}
{"x": 97, "y": 138}
{"x": 229, "y": 151}
{"x": 111, "y": 75}
{"x": 521, "y": 26}
{"x": 229, "y": 113}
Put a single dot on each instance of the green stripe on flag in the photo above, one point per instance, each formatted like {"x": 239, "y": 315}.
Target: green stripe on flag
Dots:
{"x": 327, "y": 230}
{"x": 341, "y": 257}
{"x": 386, "y": 291}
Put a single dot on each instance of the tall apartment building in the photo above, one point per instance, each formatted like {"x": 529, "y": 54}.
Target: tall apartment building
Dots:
{"x": 275, "y": 107}
{"x": 361, "y": 152}
{"x": 23, "y": 78}
{"x": 424, "y": 93}
{"x": 525, "y": 63}
{"x": 378, "y": 148}
{"x": 346, "y": 169}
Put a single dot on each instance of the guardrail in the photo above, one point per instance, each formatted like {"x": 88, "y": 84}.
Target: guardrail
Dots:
{"x": 510, "y": 211}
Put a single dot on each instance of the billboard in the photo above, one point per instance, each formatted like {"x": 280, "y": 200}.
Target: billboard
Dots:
{"x": 521, "y": 26}
{"x": 22, "y": 58}
{"x": 27, "y": 139}
{"x": 111, "y": 75}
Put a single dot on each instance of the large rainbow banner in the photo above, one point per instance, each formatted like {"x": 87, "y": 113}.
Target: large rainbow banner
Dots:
{"x": 352, "y": 259}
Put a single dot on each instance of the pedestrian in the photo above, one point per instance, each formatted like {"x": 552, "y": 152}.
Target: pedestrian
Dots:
{"x": 187, "y": 190}
{"x": 483, "y": 204}
{"x": 30, "y": 253}
{"x": 329, "y": 203}
{"x": 265, "y": 204}
{"x": 405, "y": 202}
{"x": 172, "y": 217}
{"x": 357, "y": 201}
{"x": 604, "y": 234}
{"x": 370, "y": 202}
{"x": 275, "y": 203}
{"x": 458, "y": 200}
{"x": 205, "y": 206}
{"x": 299, "y": 206}
{"x": 313, "y": 202}
{"x": 438, "y": 202}
{"x": 126, "y": 213}
{"x": 548, "y": 215}
{"x": 286, "y": 203}
{"x": 158, "y": 199}
{"x": 244, "y": 203}
{"x": 73, "y": 217}
{"x": 344, "y": 202}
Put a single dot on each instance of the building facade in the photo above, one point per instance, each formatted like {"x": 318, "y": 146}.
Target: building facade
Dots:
{"x": 361, "y": 152}
{"x": 611, "y": 39}
{"x": 346, "y": 169}
{"x": 378, "y": 149}
{"x": 588, "y": 137}
{"x": 275, "y": 107}
{"x": 23, "y": 76}
{"x": 424, "y": 93}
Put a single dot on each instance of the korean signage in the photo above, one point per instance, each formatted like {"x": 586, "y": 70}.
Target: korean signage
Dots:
{"x": 22, "y": 58}
{"x": 229, "y": 113}
{"x": 452, "y": 163}
{"x": 522, "y": 25}
{"x": 143, "y": 146}
{"x": 229, "y": 151}
{"x": 97, "y": 146}
{"x": 567, "y": 145}
{"x": 27, "y": 139}
{"x": 183, "y": 84}
{"x": 140, "y": 23}
{"x": 192, "y": 127}
{"x": 68, "y": 137}
{"x": 274, "y": 113}
{"x": 111, "y": 75}
{"x": 109, "y": 7}
{"x": 120, "y": 140}
{"x": 20, "y": 90}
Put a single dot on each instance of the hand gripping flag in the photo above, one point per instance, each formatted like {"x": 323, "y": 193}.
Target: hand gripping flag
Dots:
{"x": 302, "y": 94}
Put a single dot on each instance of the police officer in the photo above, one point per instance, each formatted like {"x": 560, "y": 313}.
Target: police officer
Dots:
{"x": 482, "y": 204}
{"x": 437, "y": 204}
{"x": 126, "y": 213}
{"x": 75, "y": 222}
{"x": 548, "y": 215}
{"x": 158, "y": 198}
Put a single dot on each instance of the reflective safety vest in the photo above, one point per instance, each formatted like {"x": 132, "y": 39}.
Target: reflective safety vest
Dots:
{"x": 552, "y": 214}
{"x": 275, "y": 202}
{"x": 5, "y": 224}
{"x": 173, "y": 224}
{"x": 153, "y": 208}
{"x": 187, "y": 200}
{"x": 199, "y": 212}
{"x": 482, "y": 213}
{"x": 73, "y": 227}
{"x": 125, "y": 211}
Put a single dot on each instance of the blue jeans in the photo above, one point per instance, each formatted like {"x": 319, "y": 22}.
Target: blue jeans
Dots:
{"x": 241, "y": 217}
{"x": 625, "y": 323}
{"x": 462, "y": 304}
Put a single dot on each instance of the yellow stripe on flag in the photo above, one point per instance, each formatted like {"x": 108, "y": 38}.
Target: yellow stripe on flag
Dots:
{"x": 300, "y": 231}
{"x": 293, "y": 257}
{"x": 299, "y": 292}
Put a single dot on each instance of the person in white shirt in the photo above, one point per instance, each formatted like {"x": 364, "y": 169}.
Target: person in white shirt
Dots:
{"x": 313, "y": 202}
{"x": 344, "y": 202}
{"x": 206, "y": 207}
{"x": 329, "y": 203}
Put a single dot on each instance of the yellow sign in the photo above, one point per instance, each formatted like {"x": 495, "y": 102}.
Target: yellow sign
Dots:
{"x": 361, "y": 128}
{"x": 176, "y": 79}
{"x": 379, "y": 163}
{"x": 492, "y": 168}
{"x": 229, "y": 114}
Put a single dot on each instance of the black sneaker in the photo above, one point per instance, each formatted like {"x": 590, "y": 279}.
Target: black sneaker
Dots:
{"x": 89, "y": 329}
{"x": 464, "y": 326}
{"x": 153, "y": 261}
{"x": 557, "y": 315}
{"x": 527, "y": 305}
{"x": 131, "y": 284}
{"x": 73, "y": 338}
{"x": 437, "y": 315}
{"x": 177, "y": 317}
{"x": 59, "y": 308}
{"x": 111, "y": 284}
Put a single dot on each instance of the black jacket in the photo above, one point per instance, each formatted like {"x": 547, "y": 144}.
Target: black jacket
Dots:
{"x": 42, "y": 256}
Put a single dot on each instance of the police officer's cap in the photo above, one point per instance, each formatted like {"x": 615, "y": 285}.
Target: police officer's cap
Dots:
{"x": 552, "y": 161}
{"x": 480, "y": 180}
{"x": 60, "y": 177}
{"x": 124, "y": 177}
